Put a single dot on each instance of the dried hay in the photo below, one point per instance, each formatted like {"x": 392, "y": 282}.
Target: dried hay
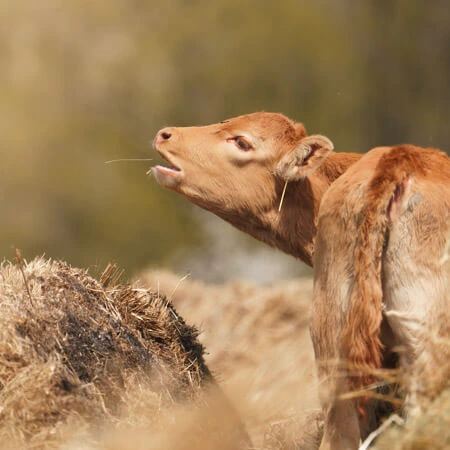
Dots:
{"x": 259, "y": 346}
{"x": 430, "y": 431}
{"x": 429, "y": 426}
{"x": 85, "y": 364}
{"x": 295, "y": 433}
{"x": 78, "y": 356}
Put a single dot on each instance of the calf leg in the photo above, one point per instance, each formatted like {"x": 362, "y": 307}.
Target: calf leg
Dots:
{"x": 341, "y": 430}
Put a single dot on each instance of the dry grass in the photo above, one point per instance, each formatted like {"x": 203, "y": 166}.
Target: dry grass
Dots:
{"x": 78, "y": 355}
{"x": 429, "y": 425}
{"x": 429, "y": 431}
{"x": 91, "y": 365}
{"x": 258, "y": 345}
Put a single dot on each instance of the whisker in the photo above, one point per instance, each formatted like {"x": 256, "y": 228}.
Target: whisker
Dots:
{"x": 128, "y": 159}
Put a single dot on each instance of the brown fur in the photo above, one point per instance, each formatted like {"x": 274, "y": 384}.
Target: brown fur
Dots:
{"x": 381, "y": 278}
{"x": 245, "y": 187}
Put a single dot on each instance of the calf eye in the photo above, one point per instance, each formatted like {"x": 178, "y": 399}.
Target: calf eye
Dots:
{"x": 242, "y": 143}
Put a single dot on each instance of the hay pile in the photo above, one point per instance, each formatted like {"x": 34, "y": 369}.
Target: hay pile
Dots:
{"x": 258, "y": 346}
{"x": 80, "y": 356}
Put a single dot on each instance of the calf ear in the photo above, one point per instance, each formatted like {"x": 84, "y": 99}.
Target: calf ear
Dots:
{"x": 304, "y": 159}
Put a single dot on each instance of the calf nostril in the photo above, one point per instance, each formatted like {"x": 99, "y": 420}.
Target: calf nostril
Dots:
{"x": 166, "y": 135}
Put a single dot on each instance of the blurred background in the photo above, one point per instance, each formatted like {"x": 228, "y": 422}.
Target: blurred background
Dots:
{"x": 85, "y": 82}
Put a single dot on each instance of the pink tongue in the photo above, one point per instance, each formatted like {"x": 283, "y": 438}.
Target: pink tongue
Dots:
{"x": 168, "y": 170}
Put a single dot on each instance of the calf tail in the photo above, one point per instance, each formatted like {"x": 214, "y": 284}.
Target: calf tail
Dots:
{"x": 386, "y": 196}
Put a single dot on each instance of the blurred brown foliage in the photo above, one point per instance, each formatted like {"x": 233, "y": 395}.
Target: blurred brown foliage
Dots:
{"x": 83, "y": 82}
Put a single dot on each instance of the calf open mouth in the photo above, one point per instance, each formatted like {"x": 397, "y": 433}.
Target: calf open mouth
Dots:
{"x": 171, "y": 166}
{"x": 169, "y": 176}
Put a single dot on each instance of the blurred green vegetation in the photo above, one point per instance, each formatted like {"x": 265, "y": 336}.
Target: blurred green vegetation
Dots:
{"x": 83, "y": 82}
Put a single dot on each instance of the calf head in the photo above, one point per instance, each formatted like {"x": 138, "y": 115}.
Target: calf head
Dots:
{"x": 238, "y": 167}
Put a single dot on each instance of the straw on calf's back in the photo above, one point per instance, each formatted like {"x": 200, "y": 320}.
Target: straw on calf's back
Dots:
{"x": 78, "y": 351}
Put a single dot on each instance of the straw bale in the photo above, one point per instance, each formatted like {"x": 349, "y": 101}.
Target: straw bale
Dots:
{"x": 78, "y": 356}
